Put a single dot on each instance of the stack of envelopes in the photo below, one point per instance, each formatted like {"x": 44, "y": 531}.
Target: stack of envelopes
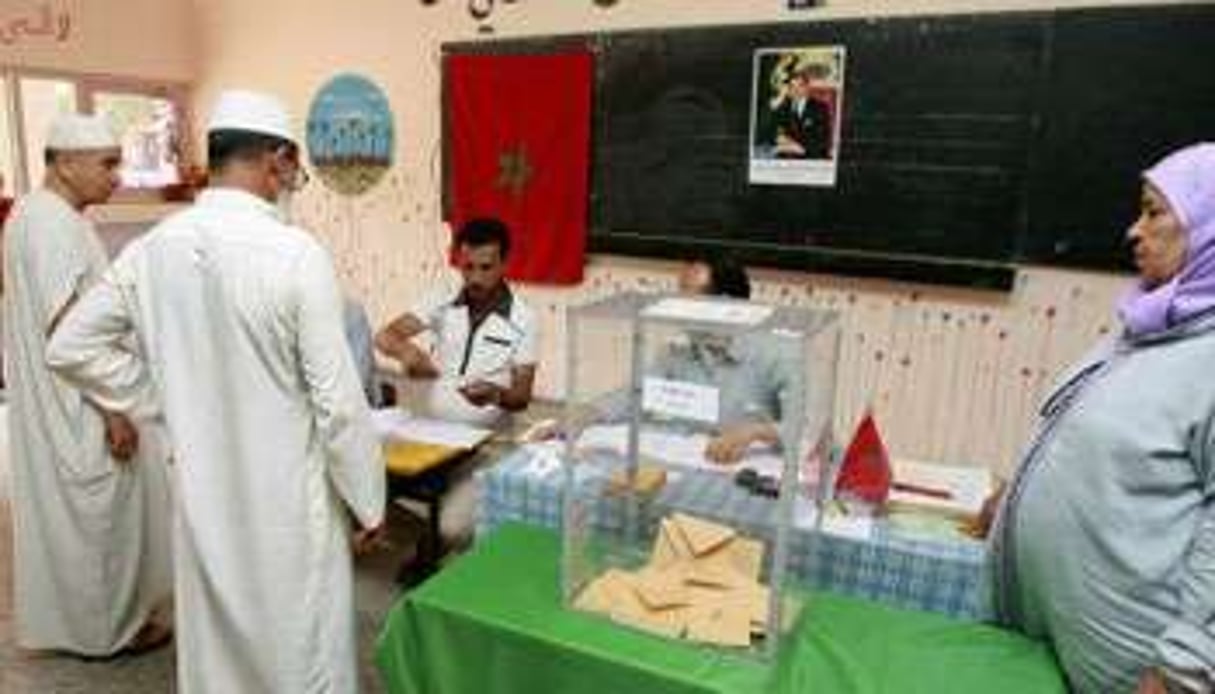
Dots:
{"x": 701, "y": 584}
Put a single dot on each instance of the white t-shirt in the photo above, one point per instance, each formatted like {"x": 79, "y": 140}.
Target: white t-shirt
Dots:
{"x": 464, "y": 353}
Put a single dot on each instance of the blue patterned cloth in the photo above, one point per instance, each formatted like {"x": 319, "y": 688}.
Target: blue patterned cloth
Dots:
{"x": 941, "y": 576}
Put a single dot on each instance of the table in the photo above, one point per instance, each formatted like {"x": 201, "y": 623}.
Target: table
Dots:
{"x": 945, "y": 576}
{"x": 422, "y": 472}
{"x": 492, "y": 622}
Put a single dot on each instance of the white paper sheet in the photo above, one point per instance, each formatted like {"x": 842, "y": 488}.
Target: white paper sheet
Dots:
{"x": 394, "y": 424}
{"x": 675, "y": 448}
{"x": 681, "y": 399}
{"x": 967, "y": 487}
{"x": 726, "y": 312}
{"x": 854, "y": 527}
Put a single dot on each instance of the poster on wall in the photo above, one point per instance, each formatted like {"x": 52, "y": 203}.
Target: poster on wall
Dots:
{"x": 797, "y": 98}
{"x": 350, "y": 134}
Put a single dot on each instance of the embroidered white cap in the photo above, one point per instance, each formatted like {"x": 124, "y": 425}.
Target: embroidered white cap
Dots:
{"x": 76, "y": 131}
{"x": 249, "y": 111}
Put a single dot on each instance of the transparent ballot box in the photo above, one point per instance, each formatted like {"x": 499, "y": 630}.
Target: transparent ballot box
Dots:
{"x": 696, "y": 431}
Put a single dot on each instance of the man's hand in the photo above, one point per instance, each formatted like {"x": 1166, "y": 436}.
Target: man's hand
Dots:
{"x": 482, "y": 393}
{"x": 121, "y": 436}
{"x": 367, "y": 540}
{"x": 731, "y": 443}
{"x": 1152, "y": 682}
{"x": 395, "y": 341}
{"x": 416, "y": 363}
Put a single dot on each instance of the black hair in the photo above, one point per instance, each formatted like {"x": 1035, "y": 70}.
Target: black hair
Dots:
{"x": 226, "y": 146}
{"x": 484, "y": 231}
{"x": 727, "y": 276}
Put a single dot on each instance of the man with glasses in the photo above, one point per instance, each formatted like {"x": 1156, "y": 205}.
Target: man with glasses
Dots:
{"x": 277, "y": 467}
{"x": 90, "y": 501}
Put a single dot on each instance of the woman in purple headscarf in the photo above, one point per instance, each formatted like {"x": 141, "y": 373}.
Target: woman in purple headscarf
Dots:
{"x": 1105, "y": 542}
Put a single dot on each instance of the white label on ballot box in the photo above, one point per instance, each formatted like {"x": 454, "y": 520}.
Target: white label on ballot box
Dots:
{"x": 681, "y": 399}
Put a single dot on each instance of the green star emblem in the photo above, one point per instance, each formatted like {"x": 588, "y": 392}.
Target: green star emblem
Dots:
{"x": 514, "y": 170}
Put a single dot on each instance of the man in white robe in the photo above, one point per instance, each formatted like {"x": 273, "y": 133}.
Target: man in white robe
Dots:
{"x": 90, "y": 491}
{"x": 276, "y": 460}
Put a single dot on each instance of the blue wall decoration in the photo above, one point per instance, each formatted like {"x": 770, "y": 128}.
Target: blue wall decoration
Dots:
{"x": 350, "y": 134}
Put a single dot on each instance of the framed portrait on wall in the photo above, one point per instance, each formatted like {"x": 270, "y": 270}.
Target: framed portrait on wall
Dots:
{"x": 797, "y": 98}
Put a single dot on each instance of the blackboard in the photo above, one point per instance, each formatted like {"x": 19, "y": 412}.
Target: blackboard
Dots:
{"x": 1126, "y": 87}
{"x": 969, "y": 143}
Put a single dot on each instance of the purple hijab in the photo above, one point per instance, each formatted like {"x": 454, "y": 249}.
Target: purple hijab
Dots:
{"x": 1186, "y": 178}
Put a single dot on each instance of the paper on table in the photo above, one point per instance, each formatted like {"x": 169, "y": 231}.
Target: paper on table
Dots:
{"x": 967, "y": 487}
{"x": 805, "y": 513}
{"x": 728, "y": 312}
{"x": 394, "y": 424}
{"x": 855, "y": 526}
{"x": 673, "y": 448}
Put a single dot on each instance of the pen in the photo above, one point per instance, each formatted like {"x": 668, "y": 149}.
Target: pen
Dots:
{"x": 922, "y": 491}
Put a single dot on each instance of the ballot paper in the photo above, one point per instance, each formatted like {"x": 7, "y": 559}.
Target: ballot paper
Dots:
{"x": 395, "y": 424}
{"x": 677, "y": 448}
{"x": 836, "y": 520}
{"x": 951, "y": 490}
{"x": 702, "y": 584}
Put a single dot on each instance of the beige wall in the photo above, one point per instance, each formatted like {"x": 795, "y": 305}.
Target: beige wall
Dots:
{"x": 135, "y": 38}
{"x": 954, "y": 375}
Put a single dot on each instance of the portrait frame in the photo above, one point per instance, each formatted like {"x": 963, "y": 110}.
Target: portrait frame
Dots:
{"x": 797, "y": 100}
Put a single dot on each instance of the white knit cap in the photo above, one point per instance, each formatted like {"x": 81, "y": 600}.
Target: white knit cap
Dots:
{"x": 254, "y": 112}
{"x": 75, "y": 131}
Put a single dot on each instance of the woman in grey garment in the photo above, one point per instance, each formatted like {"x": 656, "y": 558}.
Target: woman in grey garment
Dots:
{"x": 1105, "y": 542}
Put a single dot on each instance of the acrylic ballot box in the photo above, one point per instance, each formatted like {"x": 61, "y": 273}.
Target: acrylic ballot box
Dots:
{"x": 696, "y": 430}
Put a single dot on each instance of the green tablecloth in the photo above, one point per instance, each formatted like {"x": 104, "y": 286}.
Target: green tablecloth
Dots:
{"x": 492, "y": 623}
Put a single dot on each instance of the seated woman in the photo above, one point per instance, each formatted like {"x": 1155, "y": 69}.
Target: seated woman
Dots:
{"x": 1105, "y": 542}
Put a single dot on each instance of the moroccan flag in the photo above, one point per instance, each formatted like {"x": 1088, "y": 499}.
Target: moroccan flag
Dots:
{"x": 519, "y": 129}
{"x": 865, "y": 472}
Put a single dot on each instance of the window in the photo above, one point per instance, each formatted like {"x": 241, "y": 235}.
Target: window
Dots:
{"x": 147, "y": 116}
{"x": 149, "y": 128}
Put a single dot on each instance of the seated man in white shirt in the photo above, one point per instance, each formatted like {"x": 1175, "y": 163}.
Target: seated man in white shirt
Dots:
{"x": 483, "y": 359}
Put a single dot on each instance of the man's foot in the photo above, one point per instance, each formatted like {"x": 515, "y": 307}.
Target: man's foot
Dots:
{"x": 151, "y": 636}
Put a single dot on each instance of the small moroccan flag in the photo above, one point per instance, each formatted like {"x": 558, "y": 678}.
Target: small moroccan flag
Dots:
{"x": 865, "y": 473}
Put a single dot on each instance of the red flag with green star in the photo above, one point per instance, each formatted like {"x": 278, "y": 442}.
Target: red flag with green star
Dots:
{"x": 518, "y": 128}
